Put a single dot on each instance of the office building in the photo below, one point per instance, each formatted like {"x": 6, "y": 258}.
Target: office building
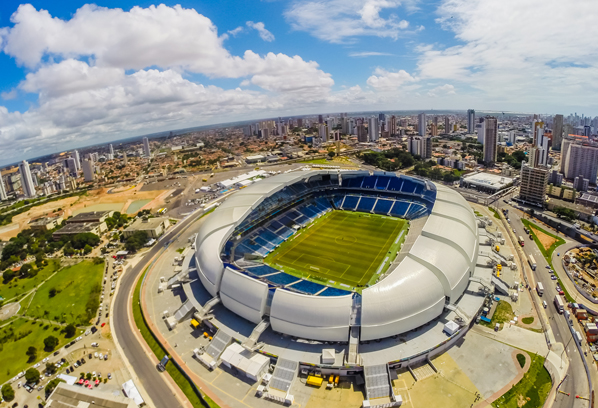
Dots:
{"x": 70, "y": 164}
{"x": 587, "y": 131}
{"x": 300, "y": 122}
{"x": 362, "y": 133}
{"x": 471, "y": 121}
{"x": 88, "y": 170}
{"x": 391, "y": 124}
{"x": 373, "y": 129}
{"x": 490, "y": 139}
{"x": 555, "y": 178}
{"x": 581, "y": 184}
{"x": 421, "y": 124}
{"x": 77, "y": 159}
{"x": 3, "y": 195}
{"x": 557, "y": 132}
{"x": 534, "y": 180}
{"x": 579, "y": 157}
{"x": 323, "y": 132}
{"x": 420, "y": 146}
{"x": 537, "y": 128}
{"x": 146, "y": 148}
{"x": 433, "y": 129}
{"x": 447, "y": 125}
{"x": 26, "y": 179}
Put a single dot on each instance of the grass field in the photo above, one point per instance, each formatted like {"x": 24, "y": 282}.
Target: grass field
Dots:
{"x": 342, "y": 247}
{"x": 78, "y": 290}
{"x": 16, "y": 339}
{"x": 21, "y": 286}
{"x": 531, "y": 391}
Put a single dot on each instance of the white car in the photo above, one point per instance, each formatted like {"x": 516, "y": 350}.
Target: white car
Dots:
{"x": 87, "y": 332}
{"x": 95, "y": 345}
{"x": 79, "y": 338}
{"x": 45, "y": 359}
{"x": 36, "y": 365}
{"x": 101, "y": 357}
{"x": 95, "y": 355}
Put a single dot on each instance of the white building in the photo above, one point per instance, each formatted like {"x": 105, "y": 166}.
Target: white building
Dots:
{"x": 3, "y": 195}
{"x": 88, "y": 170}
{"x": 421, "y": 124}
{"x": 26, "y": 179}
{"x": 77, "y": 159}
{"x": 111, "y": 150}
{"x": 373, "y": 129}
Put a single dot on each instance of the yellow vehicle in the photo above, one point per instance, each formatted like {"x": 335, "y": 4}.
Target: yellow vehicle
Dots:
{"x": 204, "y": 180}
{"x": 499, "y": 267}
{"x": 195, "y": 323}
{"x": 315, "y": 381}
{"x": 498, "y": 248}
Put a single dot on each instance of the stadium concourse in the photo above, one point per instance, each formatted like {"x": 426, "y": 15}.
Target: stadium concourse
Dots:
{"x": 402, "y": 308}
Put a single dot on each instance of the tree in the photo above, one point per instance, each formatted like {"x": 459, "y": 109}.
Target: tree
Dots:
{"x": 50, "y": 368}
{"x": 32, "y": 375}
{"x": 136, "y": 241}
{"x": 87, "y": 249}
{"x": 70, "y": 330}
{"x": 52, "y": 292}
{"x": 24, "y": 271}
{"x": 50, "y": 343}
{"x": 8, "y": 393}
{"x": 32, "y": 353}
{"x": 565, "y": 213}
{"x": 52, "y": 385}
{"x": 331, "y": 154}
{"x": 7, "y": 276}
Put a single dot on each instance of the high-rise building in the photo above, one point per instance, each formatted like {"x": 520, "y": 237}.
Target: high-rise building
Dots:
{"x": 26, "y": 179}
{"x": 579, "y": 157}
{"x": 320, "y": 119}
{"x": 421, "y": 124}
{"x": 125, "y": 161}
{"x": 88, "y": 170}
{"x": 373, "y": 129}
{"x": 323, "y": 132}
{"x": 447, "y": 125}
{"x": 146, "y": 148}
{"x": 392, "y": 125}
{"x": 420, "y": 146}
{"x": 362, "y": 133}
{"x": 300, "y": 122}
{"x": 381, "y": 117}
{"x": 587, "y": 131}
{"x": 490, "y": 139}
{"x": 3, "y": 195}
{"x": 470, "y": 121}
{"x": 434, "y": 129}
{"x": 70, "y": 164}
{"x": 537, "y": 130}
{"x": 533, "y": 184}
{"x": 555, "y": 178}
{"x": 557, "y": 132}
{"x": 77, "y": 159}
{"x": 480, "y": 129}
{"x": 111, "y": 150}
{"x": 581, "y": 184}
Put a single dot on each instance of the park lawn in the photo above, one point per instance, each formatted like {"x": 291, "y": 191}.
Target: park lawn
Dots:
{"x": 502, "y": 314}
{"x": 12, "y": 353}
{"x": 548, "y": 253}
{"x": 18, "y": 287}
{"x": 531, "y": 391}
{"x": 77, "y": 299}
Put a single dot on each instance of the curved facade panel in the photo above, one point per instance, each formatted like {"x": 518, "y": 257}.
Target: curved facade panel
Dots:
{"x": 457, "y": 212}
{"x": 447, "y": 230}
{"x": 312, "y": 317}
{"x": 408, "y": 298}
{"x": 243, "y": 295}
{"x": 208, "y": 261}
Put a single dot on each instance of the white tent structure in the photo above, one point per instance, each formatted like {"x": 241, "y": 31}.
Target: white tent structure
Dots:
{"x": 253, "y": 365}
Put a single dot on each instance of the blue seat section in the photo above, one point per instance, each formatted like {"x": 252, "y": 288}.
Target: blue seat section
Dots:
{"x": 263, "y": 251}
{"x": 275, "y": 225}
{"x": 323, "y": 202}
{"x": 307, "y": 287}
{"x": 350, "y": 202}
{"x": 301, "y": 187}
{"x": 338, "y": 200}
{"x": 395, "y": 184}
{"x": 383, "y": 206}
{"x": 242, "y": 250}
{"x": 366, "y": 204}
{"x": 419, "y": 188}
{"x": 334, "y": 292}
{"x": 265, "y": 244}
{"x": 286, "y": 232}
{"x": 227, "y": 248}
{"x": 287, "y": 221}
{"x": 302, "y": 219}
{"x": 270, "y": 236}
{"x": 369, "y": 182}
{"x": 282, "y": 279}
{"x": 294, "y": 214}
{"x": 399, "y": 209}
{"x": 408, "y": 186}
{"x": 309, "y": 211}
{"x": 430, "y": 195}
{"x": 382, "y": 182}
{"x": 354, "y": 182}
{"x": 261, "y": 270}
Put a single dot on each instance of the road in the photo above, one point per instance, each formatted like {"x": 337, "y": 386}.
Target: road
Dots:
{"x": 151, "y": 380}
{"x": 576, "y": 382}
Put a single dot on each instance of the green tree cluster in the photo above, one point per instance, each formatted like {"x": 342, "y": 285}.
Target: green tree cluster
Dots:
{"x": 8, "y": 393}
{"x": 136, "y": 241}
{"x": 390, "y": 160}
{"x": 565, "y": 213}
{"x": 50, "y": 343}
{"x": 431, "y": 170}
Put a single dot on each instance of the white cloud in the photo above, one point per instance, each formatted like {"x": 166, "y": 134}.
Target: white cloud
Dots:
{"x": 12, "y": 94}
{"x": 510, "y": 56}
{"x": 338, "y": 20}
{"x": 261, "y": 29}
{"x": 442, "y": 90}
{"x": 369, "y": 54}
{"x": 390, "y": 80}
{"x": 236, "y": 31}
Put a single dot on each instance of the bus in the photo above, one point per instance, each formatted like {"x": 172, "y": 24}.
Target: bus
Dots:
{"x": 521, "y": 242}
{"x": 532, "y": 262}
{"x": 161, "y": 211}
{"x": 558, "y": 303}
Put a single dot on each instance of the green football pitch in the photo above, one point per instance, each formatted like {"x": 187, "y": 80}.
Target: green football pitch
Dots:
{"x": 343, "y": 247}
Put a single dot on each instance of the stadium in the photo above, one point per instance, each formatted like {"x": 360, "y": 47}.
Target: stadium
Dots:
{"x": 341, "y": 270}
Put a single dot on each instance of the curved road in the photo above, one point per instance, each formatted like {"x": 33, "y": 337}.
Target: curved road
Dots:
{"x": 151, "y": 380}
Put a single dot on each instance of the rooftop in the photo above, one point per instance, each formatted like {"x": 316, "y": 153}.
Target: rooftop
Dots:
{"x": 488, "y": 179}
{"x": 89, "y": 216}
{"x": 145, "y": 223}
{"x": 77, "y": 228}
{"x": 67, "y": 396}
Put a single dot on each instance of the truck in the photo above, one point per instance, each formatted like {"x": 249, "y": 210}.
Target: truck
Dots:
{"x": 540, "y": 288}
{"x": 497, "y": 248}
{"x": 521, "y": 242}
{"x": 532, "y": 262}
{"x": 558, "y": 303}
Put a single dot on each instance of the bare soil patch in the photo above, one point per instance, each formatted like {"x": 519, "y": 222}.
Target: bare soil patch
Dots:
{"x": 546, "y": 240}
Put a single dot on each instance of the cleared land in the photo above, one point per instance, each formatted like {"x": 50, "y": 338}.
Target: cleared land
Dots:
{"x": 343, "y": 247}
{"x": 76, "y": 299}
{"x": 546, "y": 240}
{"x": 17, "y": 337}
{"x": 18, "y": 286}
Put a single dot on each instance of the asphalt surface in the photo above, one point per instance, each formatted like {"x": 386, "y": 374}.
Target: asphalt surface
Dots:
{"x": 576, "y": 382}
{"x": 151, "y": 379}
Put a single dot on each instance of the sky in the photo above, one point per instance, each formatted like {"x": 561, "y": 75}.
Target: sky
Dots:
{"x": 74, "y": 74}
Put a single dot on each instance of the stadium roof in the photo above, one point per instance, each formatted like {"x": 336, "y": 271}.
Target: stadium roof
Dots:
{"x": 437, "y": 267}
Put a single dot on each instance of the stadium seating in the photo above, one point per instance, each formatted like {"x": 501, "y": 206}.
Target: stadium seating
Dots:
{"x": 408, "y": 186}
{"x": 307, "y": 287}
{"x": 334, "y": 292}
{"x": 282, "y": 279}
{"x": 382, "y": 182}
{"x": 366, "y": 204}
{"x": 399, "y": 208}
{"x": 261, "y": 270}
{"x": 383, "y": 206}
{"x": 350, "y": 202}
{"x": 369, "y": 182}
{"x": 395, "y": 184}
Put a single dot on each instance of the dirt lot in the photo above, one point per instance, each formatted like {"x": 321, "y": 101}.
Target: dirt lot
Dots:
{"x": 71, "y": 204}
{"x": 546, "y": 240}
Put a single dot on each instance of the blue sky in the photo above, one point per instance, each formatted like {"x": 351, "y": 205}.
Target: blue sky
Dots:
{"x": 76, "y": 74}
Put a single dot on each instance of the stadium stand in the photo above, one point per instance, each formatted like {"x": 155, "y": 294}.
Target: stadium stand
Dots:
{"x": 307, "y": 287}
{"x": 350, "y": 202}
{"x": 383, "y": 206}
{"x": 366, "y": 204}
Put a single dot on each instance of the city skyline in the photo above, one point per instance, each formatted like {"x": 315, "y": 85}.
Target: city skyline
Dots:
{"x": 273, "y": 59}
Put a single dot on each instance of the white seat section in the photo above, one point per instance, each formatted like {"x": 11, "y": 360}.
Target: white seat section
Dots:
{"x": 445, "y": 259}
{"x": 408, "y": 298}
{"x": 324, "y": 318}
{"x": 243, "y": 295}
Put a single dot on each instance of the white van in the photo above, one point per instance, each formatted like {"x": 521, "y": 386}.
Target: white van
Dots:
{"x": 544, "y": 304}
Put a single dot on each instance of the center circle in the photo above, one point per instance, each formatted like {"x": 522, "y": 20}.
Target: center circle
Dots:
{"x": 345, "y": 240}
